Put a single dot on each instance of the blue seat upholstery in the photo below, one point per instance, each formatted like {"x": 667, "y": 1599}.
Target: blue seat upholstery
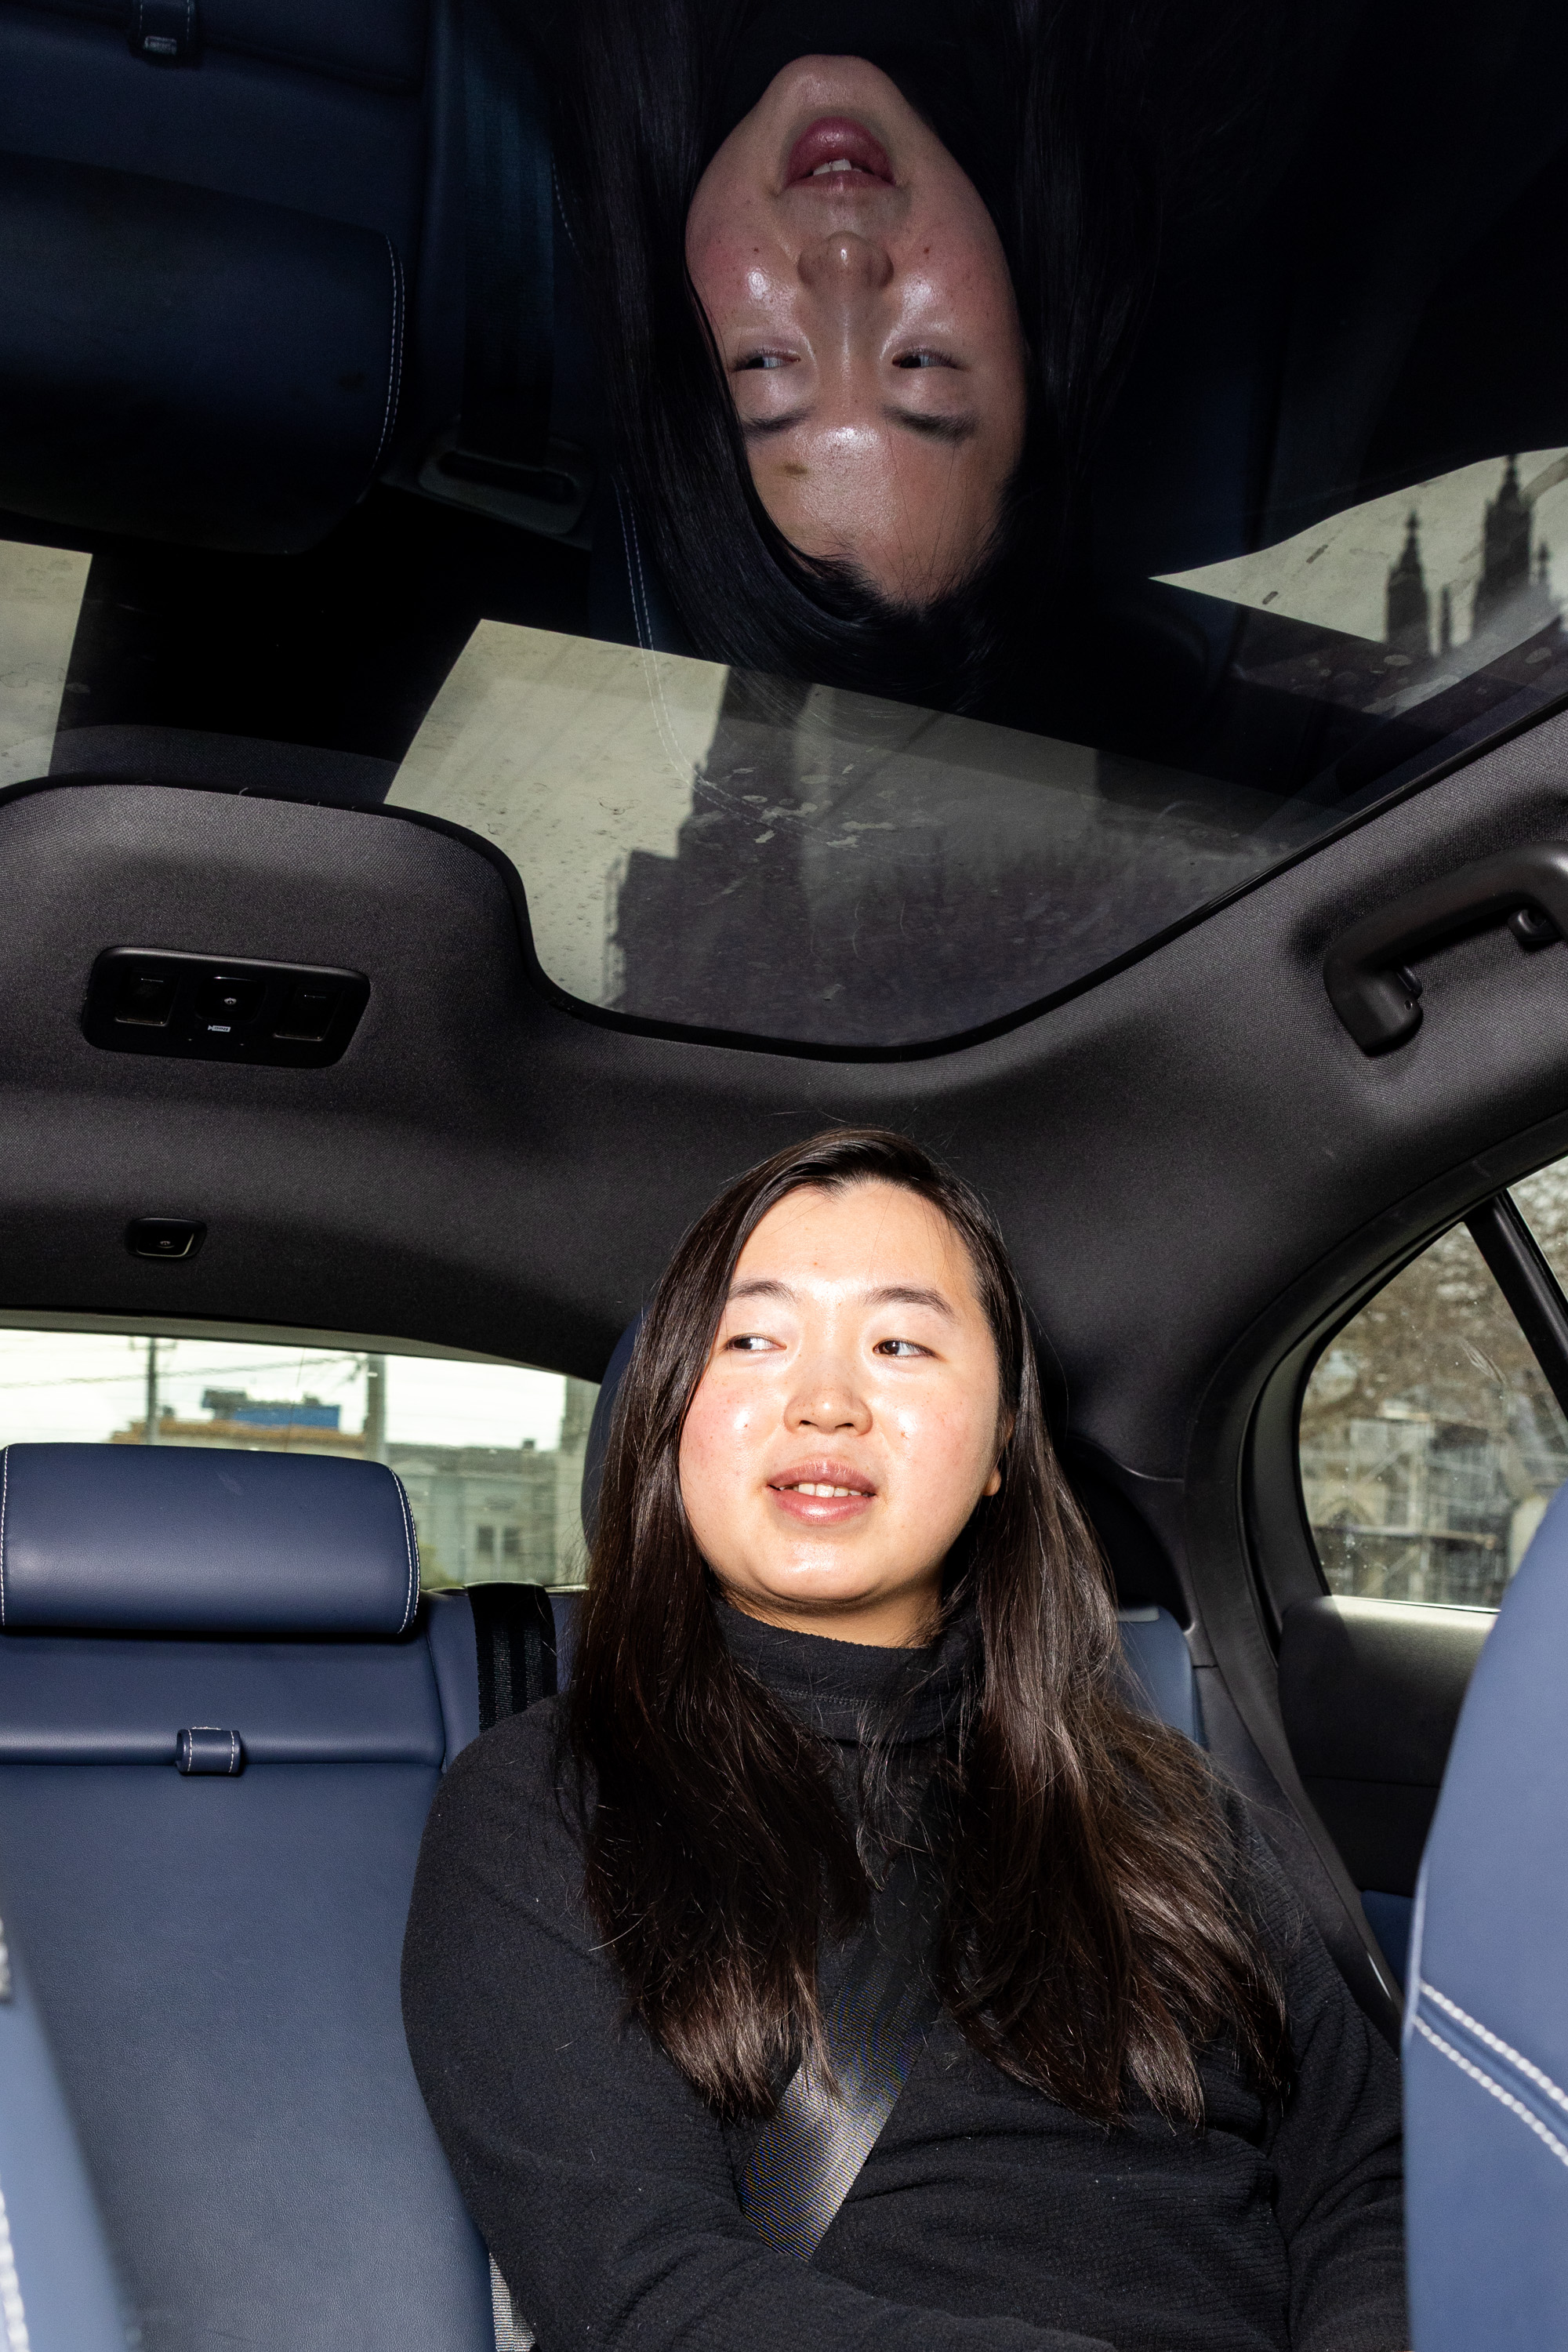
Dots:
{"x": 64, "y": 2279}
{"x": 1154, "y": 1647}
{"x": 215, "y": 1951}
{"x": 1486, "y": 2037}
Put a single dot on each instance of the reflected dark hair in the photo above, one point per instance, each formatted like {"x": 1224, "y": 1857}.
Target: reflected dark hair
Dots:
{"x": 1080, "y": 221}
{"x": 1091, "y": 1943}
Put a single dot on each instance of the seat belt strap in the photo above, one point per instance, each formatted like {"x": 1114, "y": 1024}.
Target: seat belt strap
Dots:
{"x": 515, "y": 1638}
{"x": 509, "y": 243}
{"x": 808, "y": 2154}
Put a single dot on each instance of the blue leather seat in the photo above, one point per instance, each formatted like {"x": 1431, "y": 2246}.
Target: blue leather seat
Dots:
{"x": 215, "y": 1950}
{"x": 1154, "y": 1646}
{"x": 63, "y": 2286}
{"x": 1486, "y": 2036}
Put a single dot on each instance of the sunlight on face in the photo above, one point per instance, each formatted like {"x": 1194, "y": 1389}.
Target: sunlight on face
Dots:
{"x": 859, "y": 296}
{"x": 849, "y": 1419}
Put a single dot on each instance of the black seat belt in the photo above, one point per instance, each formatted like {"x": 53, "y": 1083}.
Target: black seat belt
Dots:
{"x": 807, "y": 2155}
{"x": 514, "y": 1636}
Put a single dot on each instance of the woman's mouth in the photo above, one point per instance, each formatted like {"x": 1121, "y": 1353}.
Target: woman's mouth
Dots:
{"x": 822, "y": 1493}
{"x": 836, "y": 155}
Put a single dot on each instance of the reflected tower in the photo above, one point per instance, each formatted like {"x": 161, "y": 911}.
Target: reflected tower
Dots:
{"x": 1409, "y": 606}
{"x": 1505, "y": 550}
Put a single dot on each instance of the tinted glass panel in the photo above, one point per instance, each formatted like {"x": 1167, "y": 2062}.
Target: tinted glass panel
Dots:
{"x": 1430, "y": 1441}
{"x": 491, "y": 1455}
{"x": 819, "y": 866}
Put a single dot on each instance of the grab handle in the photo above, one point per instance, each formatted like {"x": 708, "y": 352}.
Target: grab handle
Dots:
{"x": 1366, "y": 971}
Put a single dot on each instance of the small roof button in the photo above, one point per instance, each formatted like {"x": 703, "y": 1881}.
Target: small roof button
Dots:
{"x": 307, "y": 1013}
{"x": 145, "y": 998}
{"x": 228, "y": 999}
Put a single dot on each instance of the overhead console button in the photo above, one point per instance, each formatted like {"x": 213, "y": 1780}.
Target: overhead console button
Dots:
{"x": 308, "y": 1013}
{"x": 144, "y": 1000}
{"x": 217, "y": 1009}
{"x": 230, "y": 998}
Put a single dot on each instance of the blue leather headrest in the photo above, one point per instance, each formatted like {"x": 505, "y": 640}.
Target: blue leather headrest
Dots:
{"x": 191, "y": 1539}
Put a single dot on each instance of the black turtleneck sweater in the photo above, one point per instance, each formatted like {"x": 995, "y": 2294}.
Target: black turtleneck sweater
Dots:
{"x": 987, "y": 2218}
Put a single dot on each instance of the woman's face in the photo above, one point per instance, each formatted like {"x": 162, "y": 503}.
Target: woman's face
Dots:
{"x": 859, "y": 293}
{"x": 847, "y": 1421}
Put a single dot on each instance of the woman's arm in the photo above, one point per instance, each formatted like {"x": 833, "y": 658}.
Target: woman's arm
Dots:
{"x": 599, "y": 2180}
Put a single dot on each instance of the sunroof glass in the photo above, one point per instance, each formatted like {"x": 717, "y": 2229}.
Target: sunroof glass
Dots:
{"x": 807, "y": 865}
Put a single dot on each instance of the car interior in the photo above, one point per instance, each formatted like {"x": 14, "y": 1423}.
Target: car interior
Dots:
{"x": 408, "y": 933}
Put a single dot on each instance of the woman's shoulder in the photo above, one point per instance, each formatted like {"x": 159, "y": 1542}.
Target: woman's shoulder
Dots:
{"x": 506, "y": 1820}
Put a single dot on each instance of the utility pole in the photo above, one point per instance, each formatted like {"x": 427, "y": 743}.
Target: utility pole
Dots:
{"x": 150, "y": 1427}
{"x": 375, "y": 1408}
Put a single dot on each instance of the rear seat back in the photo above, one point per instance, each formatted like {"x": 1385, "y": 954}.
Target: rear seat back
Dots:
{"x": 215, "y": 1949}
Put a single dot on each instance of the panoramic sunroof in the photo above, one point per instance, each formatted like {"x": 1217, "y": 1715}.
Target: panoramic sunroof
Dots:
{"x": 818, "y": 868}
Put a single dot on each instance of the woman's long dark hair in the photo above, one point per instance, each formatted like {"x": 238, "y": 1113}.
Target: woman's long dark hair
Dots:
{"x": 1091, "y": 1943}
{"x": 1080, "y": 218}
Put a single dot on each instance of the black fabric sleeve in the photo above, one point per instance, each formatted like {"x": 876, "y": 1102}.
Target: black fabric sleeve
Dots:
{"x": 1337, "y": 2150}
{"x": 599, "y": 2180}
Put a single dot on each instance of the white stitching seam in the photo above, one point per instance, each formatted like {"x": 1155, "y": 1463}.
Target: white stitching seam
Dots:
{"x": 5, "y": 1486}
{"x": 395, "y": 367}
{"x": 411, "y": 1545}
{"x": 233, "y": 1753}
{"x": 1504, "y": 2050}
{"x": 13, "y": 2313}
{"x": 1504, "y": 2098}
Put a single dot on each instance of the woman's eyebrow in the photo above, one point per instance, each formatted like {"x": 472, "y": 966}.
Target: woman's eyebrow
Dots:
{"x": 904, "y": 1294}
{"x": 761, "y": 1286}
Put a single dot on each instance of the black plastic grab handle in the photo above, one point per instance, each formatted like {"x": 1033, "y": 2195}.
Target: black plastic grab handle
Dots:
{"x": 1365, "y": 971}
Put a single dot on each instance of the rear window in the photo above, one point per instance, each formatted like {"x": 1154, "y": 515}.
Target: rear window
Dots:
{"x": 490, "y": 1453}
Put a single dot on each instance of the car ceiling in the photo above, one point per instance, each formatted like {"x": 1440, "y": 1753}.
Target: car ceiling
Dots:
{"x": 1192, "y": 1159}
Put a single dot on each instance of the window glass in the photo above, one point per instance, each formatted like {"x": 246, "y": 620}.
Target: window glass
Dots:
{"x": 1543, "y": 1200}
{"x": 1430, "y": 1443}
{"x": 491, "y": 1455}
{"x": 701, "y": 846}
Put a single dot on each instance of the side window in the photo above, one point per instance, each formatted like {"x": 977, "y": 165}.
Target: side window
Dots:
{"x": 1430, "y": 1441}
{"x": 491, "y": 1455}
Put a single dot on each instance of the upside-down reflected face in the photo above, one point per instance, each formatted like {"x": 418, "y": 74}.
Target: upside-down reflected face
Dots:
{"x": 849, "y": 1419}
{"x": 859, "y": 296}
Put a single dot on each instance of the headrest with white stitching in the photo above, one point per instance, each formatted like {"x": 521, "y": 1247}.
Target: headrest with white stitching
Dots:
{"x": 197, "y": 1539}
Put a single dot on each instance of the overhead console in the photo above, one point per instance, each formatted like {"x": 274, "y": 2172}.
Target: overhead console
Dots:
{"x": 147, "y": 1001}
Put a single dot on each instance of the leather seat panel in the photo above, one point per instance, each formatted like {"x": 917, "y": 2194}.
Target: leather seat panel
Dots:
{"x": 88, "y": 1698}
{"x": 216, "y": 1962}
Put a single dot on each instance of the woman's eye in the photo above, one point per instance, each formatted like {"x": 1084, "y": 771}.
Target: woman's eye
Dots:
{"x": 762, "y": 359}
{"x": 748, "y": 1343}
{"x": 901, "y": 1347}
{"x": 923, "y": 359}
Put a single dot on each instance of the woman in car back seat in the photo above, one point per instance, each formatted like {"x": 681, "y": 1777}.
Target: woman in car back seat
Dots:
{"x": 846, "y": 1688}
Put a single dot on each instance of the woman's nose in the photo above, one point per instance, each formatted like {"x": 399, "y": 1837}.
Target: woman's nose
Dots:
{"x": 827, "y": 1400}
{"x": 845, "y": 265}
